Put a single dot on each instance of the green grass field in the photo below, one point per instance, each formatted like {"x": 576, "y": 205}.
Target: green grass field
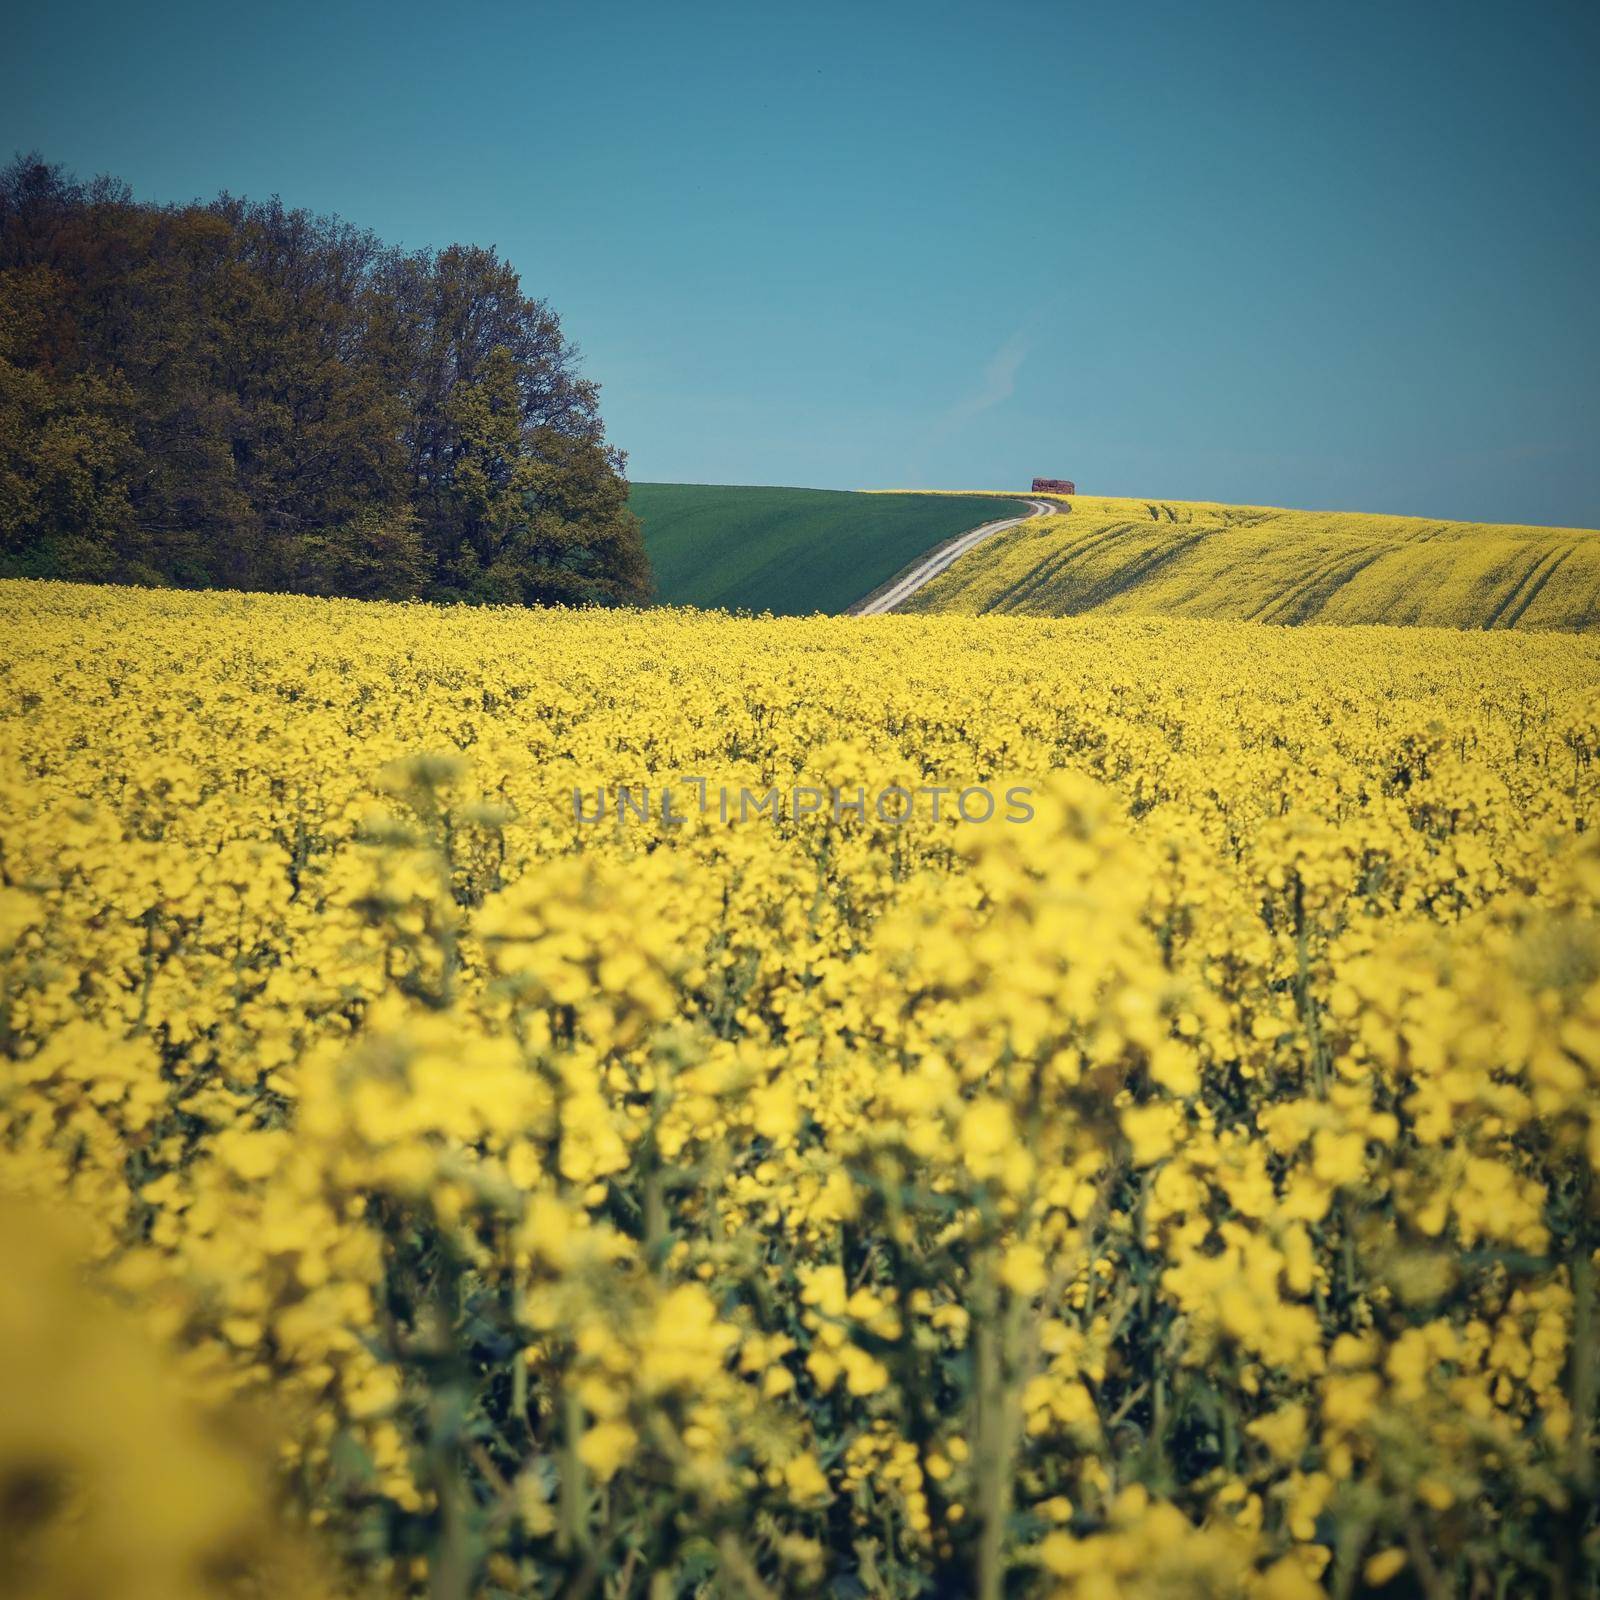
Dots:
{"x": 1180, "y": 558}
{"x": 792, "y": 551}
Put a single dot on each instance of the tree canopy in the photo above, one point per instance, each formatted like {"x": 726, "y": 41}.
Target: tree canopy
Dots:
{"x": 236, "y": 394}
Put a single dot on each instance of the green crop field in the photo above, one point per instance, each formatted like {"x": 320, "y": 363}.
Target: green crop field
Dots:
{"x": 1190, "y": 559}
{"x": 792, "y": 551}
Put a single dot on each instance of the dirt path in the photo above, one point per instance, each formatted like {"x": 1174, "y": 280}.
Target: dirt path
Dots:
{"x": 926, "y": 568}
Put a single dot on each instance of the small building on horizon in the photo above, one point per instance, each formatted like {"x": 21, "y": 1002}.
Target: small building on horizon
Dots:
{"x": 1054, "y": 486}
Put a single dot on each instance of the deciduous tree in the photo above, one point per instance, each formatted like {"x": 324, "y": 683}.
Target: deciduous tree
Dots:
{"x": 245, "y": 395}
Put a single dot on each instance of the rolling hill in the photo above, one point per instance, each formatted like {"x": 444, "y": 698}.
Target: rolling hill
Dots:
{"x": 1196, "y": 559}
{"x": 792, "y": 551}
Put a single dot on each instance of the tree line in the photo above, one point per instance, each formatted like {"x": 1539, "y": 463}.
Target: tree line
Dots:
{"x": 240, "y": 395}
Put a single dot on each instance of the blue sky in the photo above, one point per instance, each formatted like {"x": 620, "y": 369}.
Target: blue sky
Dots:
{"x": 1312, "y": 255}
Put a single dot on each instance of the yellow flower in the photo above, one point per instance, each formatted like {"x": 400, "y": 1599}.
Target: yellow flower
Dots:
{"x": 605, "y": 1448}
{"x": 1151, "y": 1132}
{"x": 1383, "y": 1566}
{"x": 1022, "y": 1270}
{"x": 1283, "y": 1432}
{"x": 805, "y": 1479}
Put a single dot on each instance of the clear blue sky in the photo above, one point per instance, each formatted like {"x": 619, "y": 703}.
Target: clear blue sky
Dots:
{"x": 1333, "y": 255}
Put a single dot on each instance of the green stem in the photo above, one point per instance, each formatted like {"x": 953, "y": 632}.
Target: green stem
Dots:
{"x": 1582, "y": 1382}
{"x": 1434, "y": 1584}
{"x": 572, "y": 1529}
{"x": 1583, "y": 1371}
{"x": 997, "y": 1431}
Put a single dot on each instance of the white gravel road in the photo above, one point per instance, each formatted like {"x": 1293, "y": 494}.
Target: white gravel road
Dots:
{"x": 929, "y": 568}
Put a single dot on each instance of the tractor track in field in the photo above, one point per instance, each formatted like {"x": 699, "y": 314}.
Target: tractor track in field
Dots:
{"x": 1511, "y": 609}
{"x": 1044, "y": 572}
{"x": 887, "y": 597}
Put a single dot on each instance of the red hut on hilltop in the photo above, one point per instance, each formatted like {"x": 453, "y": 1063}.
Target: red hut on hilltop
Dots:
{"x": 1054, "y": 486}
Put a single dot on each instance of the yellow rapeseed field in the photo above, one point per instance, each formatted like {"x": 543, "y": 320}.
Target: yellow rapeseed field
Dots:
{"x": 1257, "y": 563}
{"x": 1183, "y": 1189}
